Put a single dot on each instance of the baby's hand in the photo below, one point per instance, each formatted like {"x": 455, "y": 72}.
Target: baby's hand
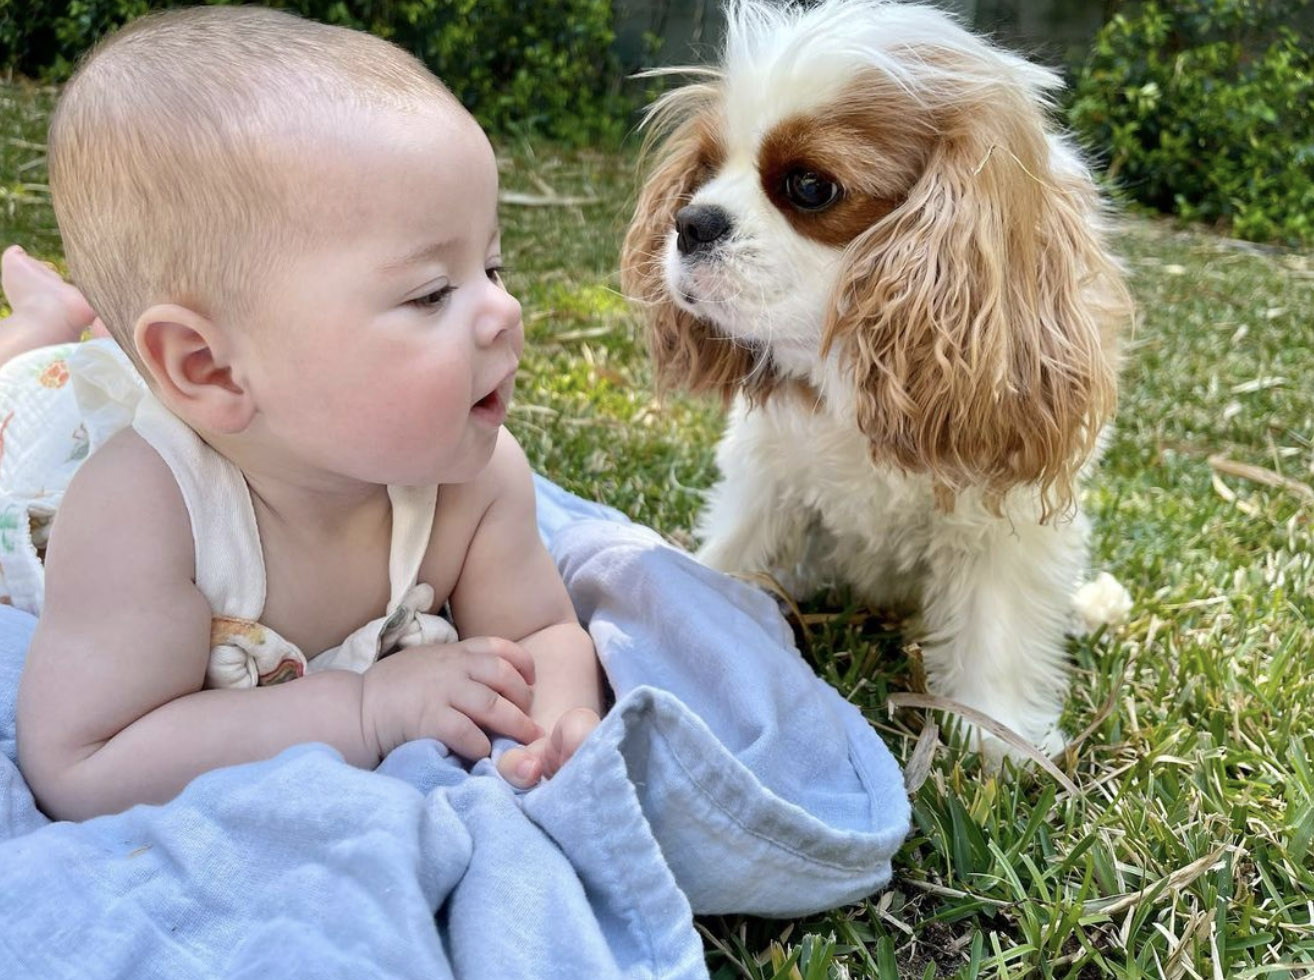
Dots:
{"x": 453, "y": 692}
{"x": 525, "y": 765}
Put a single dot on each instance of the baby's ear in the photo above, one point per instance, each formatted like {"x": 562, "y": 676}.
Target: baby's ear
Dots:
{"x": 190, "y": 361}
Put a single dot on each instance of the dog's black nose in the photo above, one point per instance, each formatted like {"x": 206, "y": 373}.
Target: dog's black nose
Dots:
{"x": 699, "y": 226}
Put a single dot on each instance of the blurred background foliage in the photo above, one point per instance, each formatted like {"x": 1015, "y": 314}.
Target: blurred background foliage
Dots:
{"x": 1196, "y": 108}
{"x": 523, "y": 67}
{"x": 1205, "y": 109}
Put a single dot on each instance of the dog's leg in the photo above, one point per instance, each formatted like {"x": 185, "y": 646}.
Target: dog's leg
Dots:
{"x": 997, "y": 601}
{"x": 748, "y": 524}
{"x": 744, "y": 528}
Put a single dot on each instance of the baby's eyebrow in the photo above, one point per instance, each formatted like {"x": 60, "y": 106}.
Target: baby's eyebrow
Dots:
{"x": 428, "y": 252}
{"x": 425, "y": 253}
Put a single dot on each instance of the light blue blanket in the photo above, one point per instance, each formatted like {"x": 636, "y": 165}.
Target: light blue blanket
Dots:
{"x": 727, "y": 778}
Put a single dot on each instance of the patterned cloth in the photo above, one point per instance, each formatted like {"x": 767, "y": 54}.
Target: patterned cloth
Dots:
{"x": 43, "y": 439}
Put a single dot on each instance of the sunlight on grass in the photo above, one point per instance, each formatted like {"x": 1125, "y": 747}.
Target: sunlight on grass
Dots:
{"x": 1187, "y": 852}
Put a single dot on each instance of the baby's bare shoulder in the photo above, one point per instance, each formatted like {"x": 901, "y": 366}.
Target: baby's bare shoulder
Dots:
{"x": 126, "y": 459}
{"x": 505, "y": 484}
{"x": 466, "y": 510}
{"x": 126, "y": 479}
{"x": 123, "y": 515}
{"x": 507, "y": 478}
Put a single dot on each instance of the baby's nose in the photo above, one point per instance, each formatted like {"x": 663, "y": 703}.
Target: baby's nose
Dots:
{"x": 500, "y": 316}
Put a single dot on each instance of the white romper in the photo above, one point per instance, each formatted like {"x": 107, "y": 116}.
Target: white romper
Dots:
{"x": 57, "y": 425}
{"x": 230, "y": 567}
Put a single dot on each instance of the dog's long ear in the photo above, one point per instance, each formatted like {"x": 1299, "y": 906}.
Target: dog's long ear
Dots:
{"x": 685, "y": 351}
{"x": 979, "y": 316}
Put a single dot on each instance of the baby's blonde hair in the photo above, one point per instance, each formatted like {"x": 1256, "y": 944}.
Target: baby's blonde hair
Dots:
{"x": 169, "y": 151}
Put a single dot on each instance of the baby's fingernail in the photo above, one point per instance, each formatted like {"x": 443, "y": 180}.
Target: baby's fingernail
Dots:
{"x": 525, "y": 769}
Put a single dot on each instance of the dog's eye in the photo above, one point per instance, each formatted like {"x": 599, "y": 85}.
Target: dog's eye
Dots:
{"x": 808, "y": 190}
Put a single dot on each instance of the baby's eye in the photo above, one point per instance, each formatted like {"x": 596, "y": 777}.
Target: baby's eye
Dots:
{"x": 495, "y": 273}
{"x": 432, "y": 300}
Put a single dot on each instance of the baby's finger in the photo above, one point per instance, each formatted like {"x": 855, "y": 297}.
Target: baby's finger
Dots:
{"x": 501, "y": 676}
{"x": 460, "y": 734}
{"x": 514, "y": 653}
{"x": 494, "y": 713}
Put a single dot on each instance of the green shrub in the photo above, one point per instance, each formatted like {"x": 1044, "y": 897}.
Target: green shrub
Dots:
{"x": 1204, "y": 109}
{"x": 523, "y": 67}
{"x": 530, "y": 66}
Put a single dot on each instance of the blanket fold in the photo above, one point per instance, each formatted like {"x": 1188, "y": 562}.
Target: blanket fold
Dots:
{"x": 726, "y": 778}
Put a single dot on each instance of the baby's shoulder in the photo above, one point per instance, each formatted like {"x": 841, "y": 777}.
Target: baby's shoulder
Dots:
{"x": 504, "y": 486}
{"x": 509, "y": 467}
{"x": 121, "y": 538}
{"x": 506, "y": 478}
{"x": 125, "y": 484}
{"x": 126, "y": 456}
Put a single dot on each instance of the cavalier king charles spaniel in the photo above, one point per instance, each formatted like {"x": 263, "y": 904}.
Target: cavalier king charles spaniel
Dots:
{"x": 863, "y": 231}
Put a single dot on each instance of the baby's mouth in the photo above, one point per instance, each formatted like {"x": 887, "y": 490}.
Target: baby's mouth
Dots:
{"x": 493, "y": 406}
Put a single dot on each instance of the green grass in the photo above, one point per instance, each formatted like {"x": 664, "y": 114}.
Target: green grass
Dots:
{"x": 1187, "y": 852}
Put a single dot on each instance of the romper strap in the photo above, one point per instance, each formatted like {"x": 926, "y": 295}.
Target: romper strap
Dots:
{"x": 230, "y": 566}
{"x": 412, "y": 524}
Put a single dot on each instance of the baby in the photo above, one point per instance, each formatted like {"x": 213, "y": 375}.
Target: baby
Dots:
{"x": 292, "y": 231}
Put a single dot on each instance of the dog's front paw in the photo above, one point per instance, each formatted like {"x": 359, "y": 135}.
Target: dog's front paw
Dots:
{"x": 1009, "y": 744}
{"x": 995, "y": 750}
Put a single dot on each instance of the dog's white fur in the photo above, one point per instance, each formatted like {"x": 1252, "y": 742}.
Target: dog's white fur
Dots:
{"x": 920, "y": 370}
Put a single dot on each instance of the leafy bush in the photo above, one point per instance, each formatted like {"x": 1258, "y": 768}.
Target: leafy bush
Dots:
{"x": 528, "y": 66}
{"x": 1204, "y": 107}
{"x": 523, "y": 67}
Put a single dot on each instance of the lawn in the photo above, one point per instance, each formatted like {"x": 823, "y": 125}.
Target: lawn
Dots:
{"x": 1186, "y": 851}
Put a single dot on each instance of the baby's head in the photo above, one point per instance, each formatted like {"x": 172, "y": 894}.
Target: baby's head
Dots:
{"x": 293, "y": 229}
{"x": 179, "y": 152}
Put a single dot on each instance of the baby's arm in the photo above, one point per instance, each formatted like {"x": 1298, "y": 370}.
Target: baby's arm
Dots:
{"x": 111, "y": 710}
{"x": 509, "y": 586}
